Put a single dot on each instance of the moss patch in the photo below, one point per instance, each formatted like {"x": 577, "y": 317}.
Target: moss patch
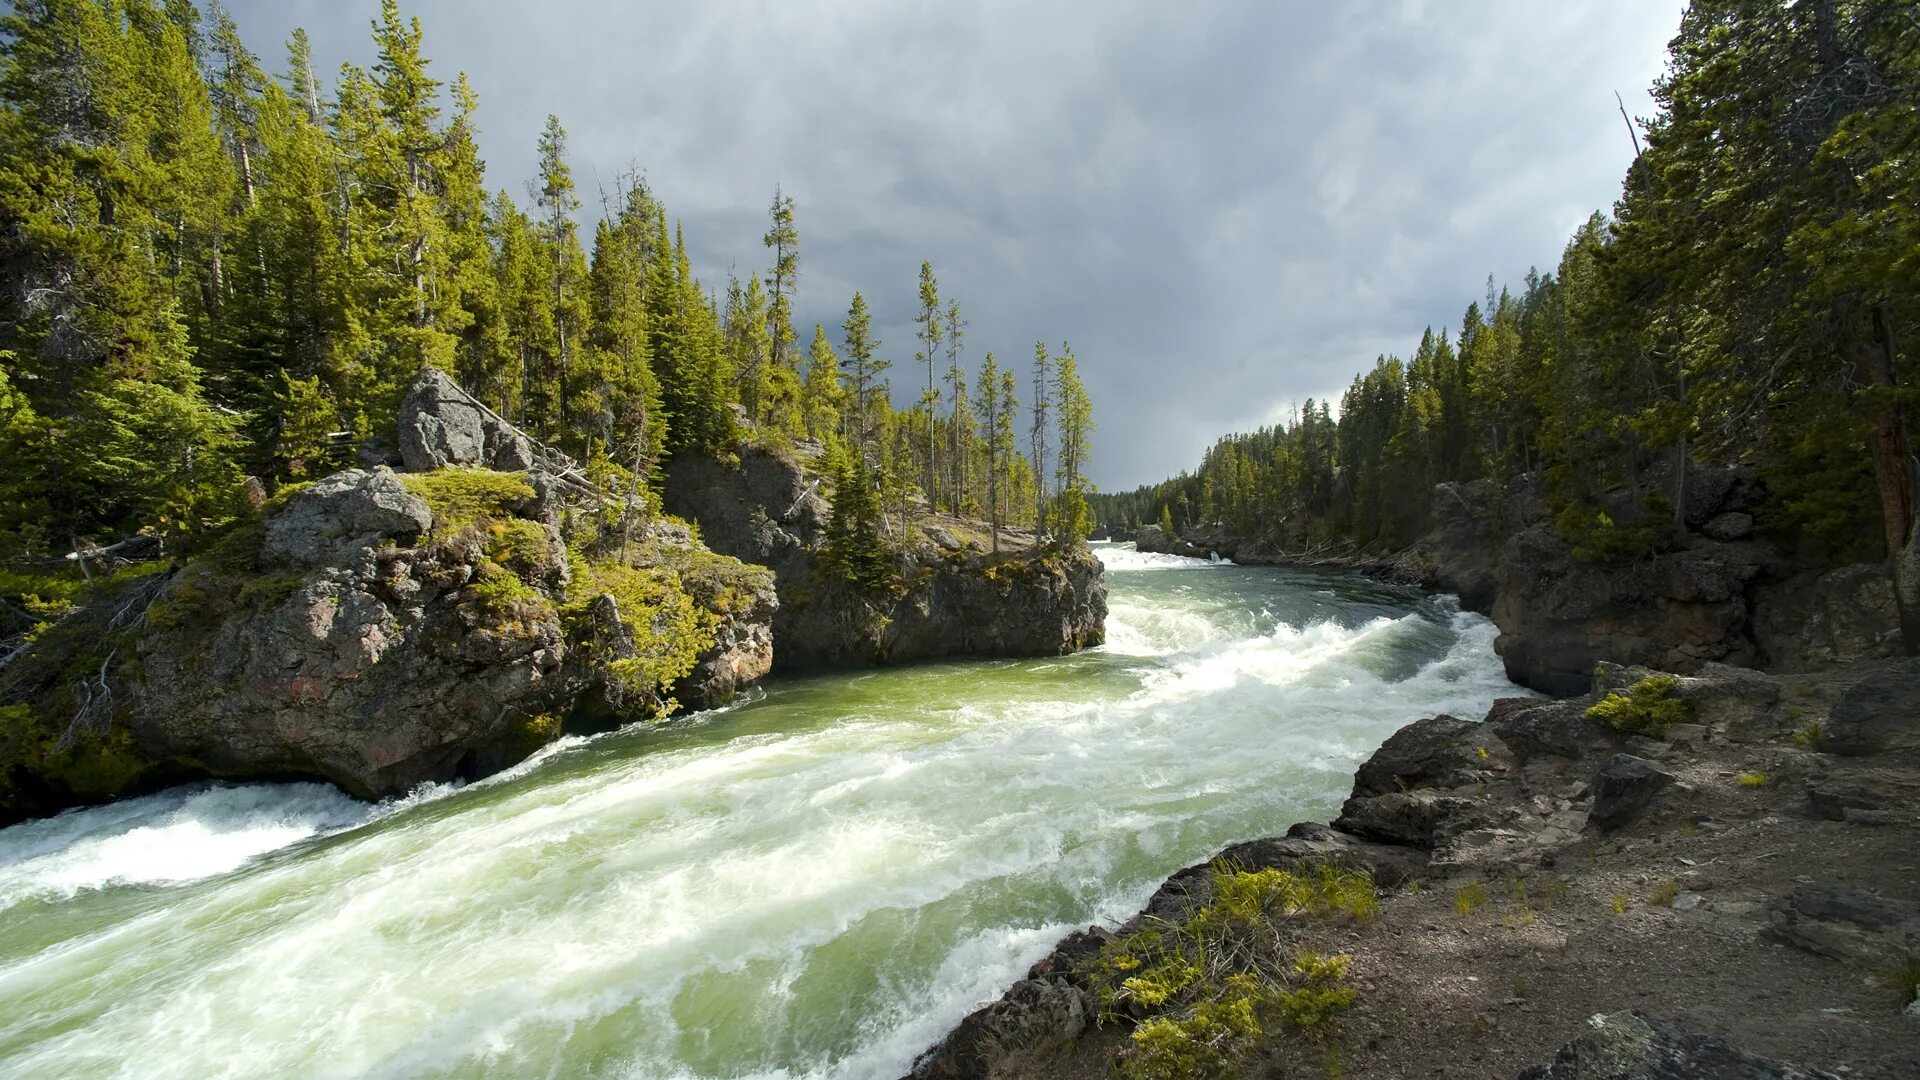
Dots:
{"x": 462, "y": 497}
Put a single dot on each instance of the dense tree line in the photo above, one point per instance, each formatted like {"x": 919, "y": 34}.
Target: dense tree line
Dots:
{"x": 214, "y": 272}
{"x": 1752, "y": 298}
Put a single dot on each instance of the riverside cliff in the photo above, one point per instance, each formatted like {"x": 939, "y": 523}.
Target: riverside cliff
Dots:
{"x": 1721, "y": 589}
{"x": 381, "y": 629}
{"x": 1687, "y": 876}
{"x": 954, "y": 596}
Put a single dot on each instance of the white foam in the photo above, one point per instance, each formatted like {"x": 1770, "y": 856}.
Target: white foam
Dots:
{"x": 165, "y": 839}
{"x": 818, "y": 887}
{"x": 1127, "y": 558}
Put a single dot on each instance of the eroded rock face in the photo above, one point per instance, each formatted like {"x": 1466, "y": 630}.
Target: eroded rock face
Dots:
{"x": 767, "y": 510}
{"x": 1674, "y": 611}
{"x": 442, "y": 425}
{"x": 1632, "y": 1046}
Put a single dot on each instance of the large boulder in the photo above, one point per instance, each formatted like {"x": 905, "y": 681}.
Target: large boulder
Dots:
{"x": 376, "y": 664}
{"x": 1632, "y": 1046}
{"x": 343, "y": 514}
{"x": 1674, "y": 611}
{"x": 1879, "y": 714}
{"x": 443, "y": 425}
{"x": 1623, "y": 789}
{"x": 1820, "y": 619}
{"x": 1440, "y": 751}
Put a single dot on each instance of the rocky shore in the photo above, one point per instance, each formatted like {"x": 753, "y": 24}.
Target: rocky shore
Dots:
{"x": 1700, "y": 876}
{"x": 381, "y": 628}
{"x": 1720, "y": 590}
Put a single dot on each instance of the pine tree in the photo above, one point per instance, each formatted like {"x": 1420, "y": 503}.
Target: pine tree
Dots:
{"x": 863, "y": 369}
{"x": 929, "y": 334}
{"x": 1042, "y": 390}
{"x": 823, "y": 394}
{"x": 1071, "y": 519}
{"x": 784, "y": 239}
{"x": 959, "y": 426}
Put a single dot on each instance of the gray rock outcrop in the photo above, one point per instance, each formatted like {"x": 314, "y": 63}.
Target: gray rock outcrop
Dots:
{"x": 442, "y": 425}
{"x": 342, "y": 514}
{"x": 1632, "y": 1046}
{"x": 957, "y": 600}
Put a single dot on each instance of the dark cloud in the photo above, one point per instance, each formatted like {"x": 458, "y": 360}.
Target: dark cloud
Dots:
{"x": 1226, "y": 211}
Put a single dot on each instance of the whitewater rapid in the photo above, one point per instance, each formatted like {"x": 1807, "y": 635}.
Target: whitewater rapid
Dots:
{"x": 816, "y": 883}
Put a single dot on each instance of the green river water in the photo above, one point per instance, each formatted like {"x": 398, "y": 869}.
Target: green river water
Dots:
{"x": 816, "y": 882}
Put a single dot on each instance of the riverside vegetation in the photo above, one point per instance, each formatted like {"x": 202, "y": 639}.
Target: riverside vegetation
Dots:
{"x": 1690, "y": 441}
{"x": 235, "y": 299}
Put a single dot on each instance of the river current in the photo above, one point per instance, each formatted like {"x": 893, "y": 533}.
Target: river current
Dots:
{"x": 815, "y": 882}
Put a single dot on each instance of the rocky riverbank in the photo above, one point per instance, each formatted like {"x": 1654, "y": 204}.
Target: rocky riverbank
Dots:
{"x": 1720, "y": 590}
{"x": 955, "y": 596}
{"x": 1726, "y": 856}
{"x": 380, "y": 629}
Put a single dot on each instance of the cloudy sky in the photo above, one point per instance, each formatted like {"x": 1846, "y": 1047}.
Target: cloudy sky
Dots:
{"x": 1226, "y": 209}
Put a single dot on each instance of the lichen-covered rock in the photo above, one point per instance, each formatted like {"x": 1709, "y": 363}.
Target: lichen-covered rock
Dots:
{"x": 377, "y": 666}
{"x": 442, "y": 425}
{"x": 955, "y": 599}
{"x": 1632, "y": 1046}
{"x": 342, "y": 514}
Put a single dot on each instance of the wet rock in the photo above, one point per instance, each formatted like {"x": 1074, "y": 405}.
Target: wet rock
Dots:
{"x": 1632, "y": 1046}
{"x": 1424, "y": 819}
{"x": 1846, "y": 924}
{"x": 1034, "y": 1015}
{"x": 443, "y": 425}
{"x": 1623, "y": 789}
{"x": 1440, "y": 751}
{"x": 341, "y": 515}
{"x": 1879, "y": 714}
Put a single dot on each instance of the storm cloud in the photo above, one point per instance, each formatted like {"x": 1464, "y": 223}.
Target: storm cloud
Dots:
{"x": 1225, "y": 209}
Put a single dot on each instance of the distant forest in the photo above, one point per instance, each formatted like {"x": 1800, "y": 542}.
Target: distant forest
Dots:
{"x": 1752, "y": 299}
{"x": 212, "y": 272}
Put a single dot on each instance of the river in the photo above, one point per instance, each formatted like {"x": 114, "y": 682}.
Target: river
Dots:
{"x": 816, "y": 882}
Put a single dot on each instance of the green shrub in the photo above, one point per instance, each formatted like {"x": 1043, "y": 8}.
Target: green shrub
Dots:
{"x": 1593, "y": 536}
{"x": 1469, "y": 898}
{"x": 1903, "y": 978}
{"x": 1649, "y": 707}
{"x": 1754, "y": 779}
{"x": 1663, "y": 894}
{"x": 1811, "y": 737}
{"x": 665, "y": 633}
{"x": 1204, "y": 987}
{"x": 519, "y": 545}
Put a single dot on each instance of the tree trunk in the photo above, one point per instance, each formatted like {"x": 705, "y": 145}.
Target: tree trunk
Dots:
{"x": 1892, "y": 473}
